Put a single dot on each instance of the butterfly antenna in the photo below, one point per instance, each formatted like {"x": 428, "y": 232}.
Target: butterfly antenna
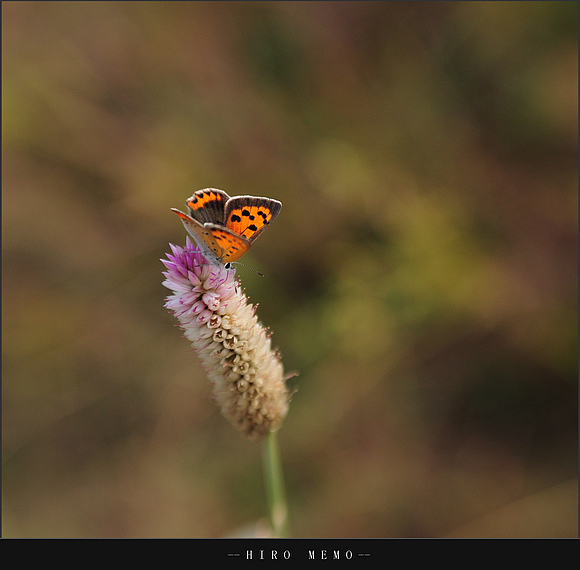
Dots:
{"x": 248, "y": 267}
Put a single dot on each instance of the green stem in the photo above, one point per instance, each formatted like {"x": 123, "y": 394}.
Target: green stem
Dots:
{"x": 275, "y": 486}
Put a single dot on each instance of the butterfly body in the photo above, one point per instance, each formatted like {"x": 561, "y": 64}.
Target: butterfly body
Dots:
{"x": 223, "y": 227}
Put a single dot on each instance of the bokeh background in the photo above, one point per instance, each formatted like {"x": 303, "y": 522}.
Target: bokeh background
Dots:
{"x": 421, "y": 277}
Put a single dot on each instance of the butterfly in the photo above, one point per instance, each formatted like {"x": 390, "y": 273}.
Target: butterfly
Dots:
{"x": 224, "y": 227}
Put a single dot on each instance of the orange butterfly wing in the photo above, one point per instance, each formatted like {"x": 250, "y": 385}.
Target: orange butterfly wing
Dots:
{"x": 216, "y": 242}
{"x": 208, "y": 205}
{"x": 249, "y": 216}
{"x": 231, "y": 245}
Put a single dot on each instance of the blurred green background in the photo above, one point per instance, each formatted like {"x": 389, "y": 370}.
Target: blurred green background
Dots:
{"x": 421, "y": 277}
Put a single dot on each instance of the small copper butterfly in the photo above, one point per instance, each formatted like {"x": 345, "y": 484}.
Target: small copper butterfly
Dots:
{"x": 223, "y": 227}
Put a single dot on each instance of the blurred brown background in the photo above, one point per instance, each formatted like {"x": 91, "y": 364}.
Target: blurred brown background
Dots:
{"x": 422, "y": 275}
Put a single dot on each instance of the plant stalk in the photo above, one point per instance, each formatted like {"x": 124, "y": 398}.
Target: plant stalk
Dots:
{"x": 274, "y": 479}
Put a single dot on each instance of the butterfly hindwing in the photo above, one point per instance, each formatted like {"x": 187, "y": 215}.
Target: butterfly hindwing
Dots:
{"x": 248, "y": 216}
{"x": 231, "y": 245}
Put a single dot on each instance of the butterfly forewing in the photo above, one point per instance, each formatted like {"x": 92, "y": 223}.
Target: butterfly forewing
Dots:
{"x": 208, "y": 205}
{"x": 248, "y": 216}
